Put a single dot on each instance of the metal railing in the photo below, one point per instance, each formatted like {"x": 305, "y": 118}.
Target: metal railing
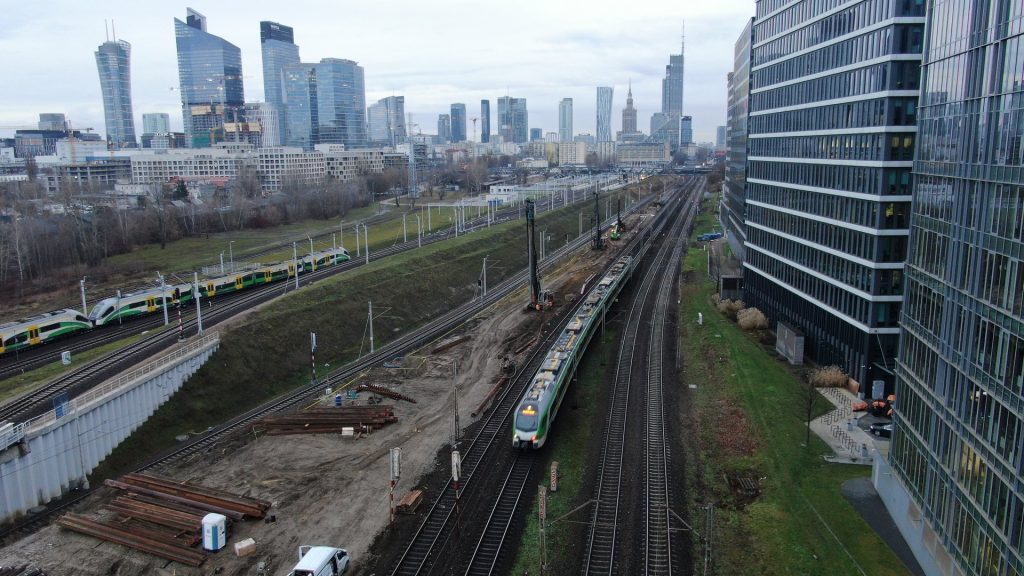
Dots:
{"x": 187, "y": 351}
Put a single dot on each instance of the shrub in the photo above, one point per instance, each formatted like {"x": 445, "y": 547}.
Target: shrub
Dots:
{"x": 730, "y": 307}
{"x": 751, "y": 319}
{"x": 828, "y": 377}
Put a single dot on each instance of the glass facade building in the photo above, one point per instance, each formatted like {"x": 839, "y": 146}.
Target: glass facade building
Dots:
{"x": 210, "y": 80}
{"x": 278, "y": 49}
{"x": 485, "y": 121}
{"x": 444, "y": 128}
{"x": 958, "y": 443}
{"x": 604, "y": 113}
{"x": 458, "y": 122}
{"x": 113, "y": 59}
{"x": 832, "y": 129}
{"x": 565, "y": 120}
{"x": 156, "y": 123}
{"x": 386, "y": 121}
{"x": 513, "y": 119}
{"x": 732, "y": 209}
{"x": 326, "y": 104}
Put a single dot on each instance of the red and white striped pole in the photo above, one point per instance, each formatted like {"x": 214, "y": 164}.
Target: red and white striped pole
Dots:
{"x": 181, "y": 327}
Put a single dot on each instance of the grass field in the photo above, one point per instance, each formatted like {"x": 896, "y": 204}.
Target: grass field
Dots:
{"x": 750, "y": 413}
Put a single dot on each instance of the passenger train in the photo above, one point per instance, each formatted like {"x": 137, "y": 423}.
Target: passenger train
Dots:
{"x": 36, "y": 330}
{"x": 544, "y": 395}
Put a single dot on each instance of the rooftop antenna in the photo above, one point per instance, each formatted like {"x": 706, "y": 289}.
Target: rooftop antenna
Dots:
{"x": 113, "y": 30}
{"x": 106, "y": 30}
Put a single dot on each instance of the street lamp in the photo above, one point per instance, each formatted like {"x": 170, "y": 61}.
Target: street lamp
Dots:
{"x": 231, "y": 255}
{"x": 222, "y": 262}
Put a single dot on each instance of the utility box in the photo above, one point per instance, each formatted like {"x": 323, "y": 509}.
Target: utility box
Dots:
{"x": 215, "y": 531}
{"x": 789, "y": 342}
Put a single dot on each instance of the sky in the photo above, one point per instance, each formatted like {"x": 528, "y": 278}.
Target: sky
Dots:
{"x": 433, "y": 53}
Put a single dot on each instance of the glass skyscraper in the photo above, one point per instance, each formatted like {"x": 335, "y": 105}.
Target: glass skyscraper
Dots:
{"x": 565, "y": 120}
{"x": 732, "y": 211}
{"x": 210, "y": 78}
{"x": 326, "y": 104}
{"x": 458, "y": 122}
{"x": 385, "y": 121}
{"x": 830, "y": 152}
{"x": 485, "y": 120}
{"x": 513, "y": 119}
{"x": 958, "y": 444}
{"x": 444, "y": 128}
{"x": 604, "y": 113}
{"x": 277, "y": 46}
{"x": 113, "y": 59}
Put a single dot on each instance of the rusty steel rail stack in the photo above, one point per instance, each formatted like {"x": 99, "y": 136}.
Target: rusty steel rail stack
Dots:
{"x": 132, "y": 539}
{"x": 329, "y": 420}
{"x": 209, "y": 499}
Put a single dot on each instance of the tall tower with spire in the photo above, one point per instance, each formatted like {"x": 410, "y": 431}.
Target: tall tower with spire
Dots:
{"x": 629, "y": 113}
{"x": 665, "y": 124}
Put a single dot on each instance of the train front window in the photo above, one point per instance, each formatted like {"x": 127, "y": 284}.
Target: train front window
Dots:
{"x": 527, "y": 418}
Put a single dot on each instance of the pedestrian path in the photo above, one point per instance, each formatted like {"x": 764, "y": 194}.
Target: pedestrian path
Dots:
{"x": 838, "y": 428}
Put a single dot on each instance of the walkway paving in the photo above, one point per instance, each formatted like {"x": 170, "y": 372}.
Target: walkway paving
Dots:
{"x": 842, "y": 430}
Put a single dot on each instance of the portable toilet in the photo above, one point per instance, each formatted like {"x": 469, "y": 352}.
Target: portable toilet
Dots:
{"x": 214, "y": 531}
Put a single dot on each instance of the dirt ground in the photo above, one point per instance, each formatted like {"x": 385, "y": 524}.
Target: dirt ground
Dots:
{"x": 328, "y": 490}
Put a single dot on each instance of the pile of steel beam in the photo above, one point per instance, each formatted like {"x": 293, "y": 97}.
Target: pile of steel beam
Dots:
{"x": 384, "y": 392}
{"x": 203, "y": 498}
{"x": 133, "y": 537}
{"x": 330, "y": 420}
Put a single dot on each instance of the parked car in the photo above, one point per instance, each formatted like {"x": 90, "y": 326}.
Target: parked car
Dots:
{"x": 882, "y": 429}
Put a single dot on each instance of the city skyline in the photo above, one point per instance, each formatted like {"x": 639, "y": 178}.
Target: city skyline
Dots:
{"x": 431, "y": 75}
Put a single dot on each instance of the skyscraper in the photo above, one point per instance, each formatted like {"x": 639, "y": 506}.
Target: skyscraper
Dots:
{"x": 665, "y": 124}
{"x": 444, "y": 128}
{"x": 513, "y": 119}
{"x": 604, "y": 113}
{"x": 485, "y": 120}
{"x": 277, "y": 46}
{"x": 326, "y": 103}
{"x": 685, "y": 131}
{"x": 956, "y": 451}
{"x": 386, "y": 121}
{"x": 565, "y": 120}
{"x": 458, "y": 122}
{"x": 720, "y": 137}
{"x": 629, "y": 113}
{"x": 210, "y": 78}
{"x": 113, "y": 59}
{"x": 732, "y": 210}
{"x": 828, "y": 176}
{"x": 262, "y": 126}
{"x": 156, "y": 123}
{"x": 536, "y": 134}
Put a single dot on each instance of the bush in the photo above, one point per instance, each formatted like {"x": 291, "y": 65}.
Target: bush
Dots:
{"x": 751, "y": 319}
{"x": 730, "y": 307}
{"x": 828, "y": 377}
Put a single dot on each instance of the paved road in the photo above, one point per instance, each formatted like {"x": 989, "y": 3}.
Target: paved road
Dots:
{"x": 862, "y": 495}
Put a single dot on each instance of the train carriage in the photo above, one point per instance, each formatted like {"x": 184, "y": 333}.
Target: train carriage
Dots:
{"x": 41, "y": 329}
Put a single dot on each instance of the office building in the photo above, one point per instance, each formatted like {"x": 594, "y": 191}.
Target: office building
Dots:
{"x": 513, "y": 119}
{"x": 386, "y": 121}
{"x": 536, "y": 134}
{"x": 565, "y": 120}
{"x": 956, "y": 457}
{"x": 444, "y": 128}
{"x": 685, "y": 131}
{"x": 485, "y": 121}
{"x": 156, "y": 123}
{"x": 261, "y": 127}
{"x": 210, "y": 80}
{"x": 665, "y": 124}
{"x": 326, "y": 104}
{"x": 732, "y": 211}
{"x": 830, "y": 150}
{"x": 721, "y": 137}
{"x": 278, "y": 49}
{"x": 52, "y": 121}
{"x": 604, "y": 113}
{"x": 458, "y": 122}
{"x": 113, "y": 60}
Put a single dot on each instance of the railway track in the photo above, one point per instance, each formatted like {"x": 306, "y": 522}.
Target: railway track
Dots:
{"x": 603, "y": 543}
{"x": 432, "y": 549}
{"x": 20, "y": 362}
{"x": 337, "y": 378}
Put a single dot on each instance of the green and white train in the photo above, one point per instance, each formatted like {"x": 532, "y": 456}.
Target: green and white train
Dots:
{"x": 36, "y": 330}
{"x": 545, "y": 393}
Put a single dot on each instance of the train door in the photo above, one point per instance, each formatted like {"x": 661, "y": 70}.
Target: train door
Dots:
{"x": 291, "y": 269}
{"x": 33, "y": 335}
{"x": 268, "y": 276}
{"x": 150, "y": 304}
{"x": 210, "y": 290}
{"x": 238, "y": 282}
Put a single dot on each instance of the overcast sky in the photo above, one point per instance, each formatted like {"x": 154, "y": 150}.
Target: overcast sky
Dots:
{"x": 434, "y": 53}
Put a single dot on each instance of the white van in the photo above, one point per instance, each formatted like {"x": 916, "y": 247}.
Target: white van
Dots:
{"x": 320, "y": 561}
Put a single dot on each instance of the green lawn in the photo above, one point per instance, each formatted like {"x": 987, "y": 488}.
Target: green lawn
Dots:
{"x": 750, "y": 418}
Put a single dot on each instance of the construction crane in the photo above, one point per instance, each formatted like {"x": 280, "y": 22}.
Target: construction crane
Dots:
{"x": 538, "y": 298}
{"x": 598, "y": 243}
